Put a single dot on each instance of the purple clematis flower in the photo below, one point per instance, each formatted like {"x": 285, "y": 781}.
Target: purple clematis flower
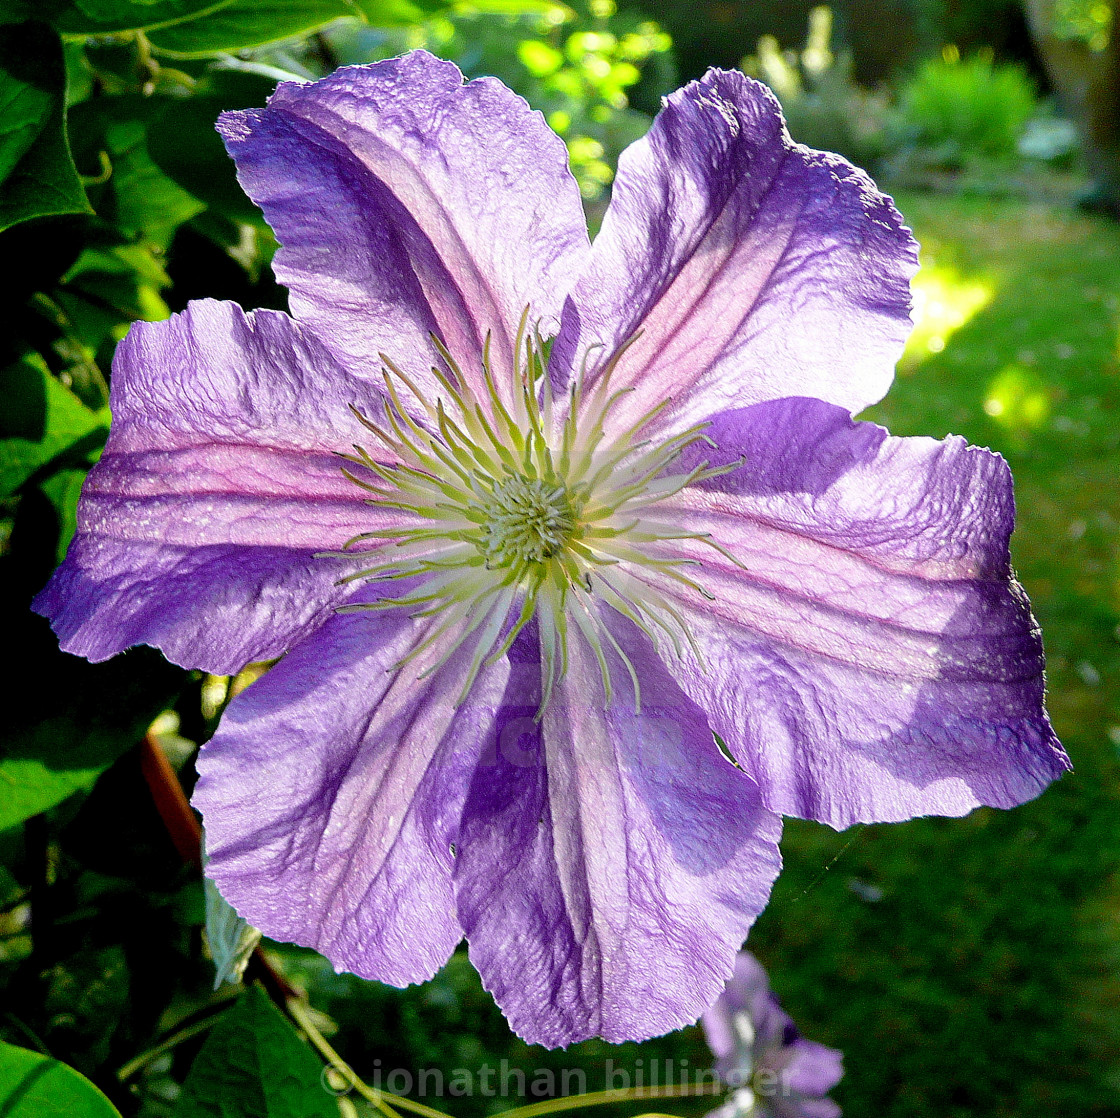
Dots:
{"x": 772, "y": 1070}
{"x": 551, "y": 578}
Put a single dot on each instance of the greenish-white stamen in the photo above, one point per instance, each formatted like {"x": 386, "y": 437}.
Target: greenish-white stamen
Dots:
{"x": 517, "y": 508}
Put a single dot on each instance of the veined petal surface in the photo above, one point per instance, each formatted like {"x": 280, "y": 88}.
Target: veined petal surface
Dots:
{"x": 198, "y": 527}
{"x": 610, "y": 864}
{"x": 868, "y": 656}
{"x": 407, "y": 202}
{"x": 331, "y": 795}
{"x": 751, "y": 267}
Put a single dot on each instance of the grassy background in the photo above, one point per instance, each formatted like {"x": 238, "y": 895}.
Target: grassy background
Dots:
{"x": 965, "y": 967}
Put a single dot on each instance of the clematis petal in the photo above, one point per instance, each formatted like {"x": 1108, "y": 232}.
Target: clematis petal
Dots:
{"x": 197, "y": 529}
{"x": 407, "y": 202}
{"x": 331, "y": 794}
{"x": 759, "y": 1050}
{"x": 813, "y": 1069}
{"x": 752, "y": 268}
{"x": 761, "y": 1020}
{"x": 868, "y": 655}
{"x": 800, "y": 1106}
{"x": 610, "y": 863}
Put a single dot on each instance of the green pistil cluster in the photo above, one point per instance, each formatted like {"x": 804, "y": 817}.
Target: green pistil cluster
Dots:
{"x": 528, "y": 520}
{"x": 516, "y": 507}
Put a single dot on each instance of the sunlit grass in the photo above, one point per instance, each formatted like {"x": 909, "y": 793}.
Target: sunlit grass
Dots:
{"x": 944, "y": 301}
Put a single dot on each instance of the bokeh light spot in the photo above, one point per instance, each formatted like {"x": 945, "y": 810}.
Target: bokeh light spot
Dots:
{"x": 1018, "y": 399}
{"x": 944, "y": 301}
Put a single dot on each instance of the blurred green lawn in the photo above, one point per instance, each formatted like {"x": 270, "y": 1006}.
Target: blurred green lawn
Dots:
{"x": 965, "y": 967}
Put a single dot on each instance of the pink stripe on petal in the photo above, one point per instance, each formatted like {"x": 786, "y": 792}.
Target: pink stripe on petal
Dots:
{"x": 198, "y": 527}
{"x": 867, "y": 655}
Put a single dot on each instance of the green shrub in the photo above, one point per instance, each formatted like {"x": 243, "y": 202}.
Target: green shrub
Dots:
{"x": 959, "y": 109}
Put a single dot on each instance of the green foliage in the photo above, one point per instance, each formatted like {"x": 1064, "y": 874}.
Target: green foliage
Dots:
{"x": 41, "y": 420}
{"x": 580, "y": 83}
{"x": 100, "y": 17}
{"x": 37, "y": 174}
{"x": 205, "y": 26}
{"x": 956, "y": 109}
{"x": 250, "y": 23}
{"x": 254, "y": 1066}
{"x": 35, "y": 1086}
{"x": 97, "y": 712}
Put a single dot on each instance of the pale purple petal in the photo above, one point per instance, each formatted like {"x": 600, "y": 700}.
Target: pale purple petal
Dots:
{"x": 747, "y": 991}
{"x": 802, "y": 1106}
{"x": 197, "y": 529}
{"x": 797, "y": 1074}
{"x": 868, "y": 655}
{"x": 757, "y": 1046}
{"x": 752, "y": 267}
{"x": 331, "y": 796}
{"x": 748, "y": 995}
{"x": 407, "y": 202}
{"x": 610, "y": 864}
{"x": 812, "y": 1068}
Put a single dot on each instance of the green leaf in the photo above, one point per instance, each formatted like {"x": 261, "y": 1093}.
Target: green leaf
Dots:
{"x": 25, "y": 107}
{"x": 250, "y": 23}
{"x": 100, "y": 17}
{"x": 108, "y": 287}
{"x": 97, "y": 712}
{"x": 18, "y": 11}
{"x": 62, "y": 489}
{"x": 254, "y": 1066}
{"x": 36, "y": 1086}
{"x": 137, "y": 197}
{"x": 402, "y": 13}
{"x": 148, "y": 203}
{"x": 231, "y": 938}
{"x": 119, "y": 282}
{"x": 37, "y": 174}
{"x": 30, "y": 787}
{"x": 41, "y": 419}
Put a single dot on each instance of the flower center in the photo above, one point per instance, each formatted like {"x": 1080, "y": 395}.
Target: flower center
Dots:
{"x": 508, "y": 512}
{"x": 528, "y": 520}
